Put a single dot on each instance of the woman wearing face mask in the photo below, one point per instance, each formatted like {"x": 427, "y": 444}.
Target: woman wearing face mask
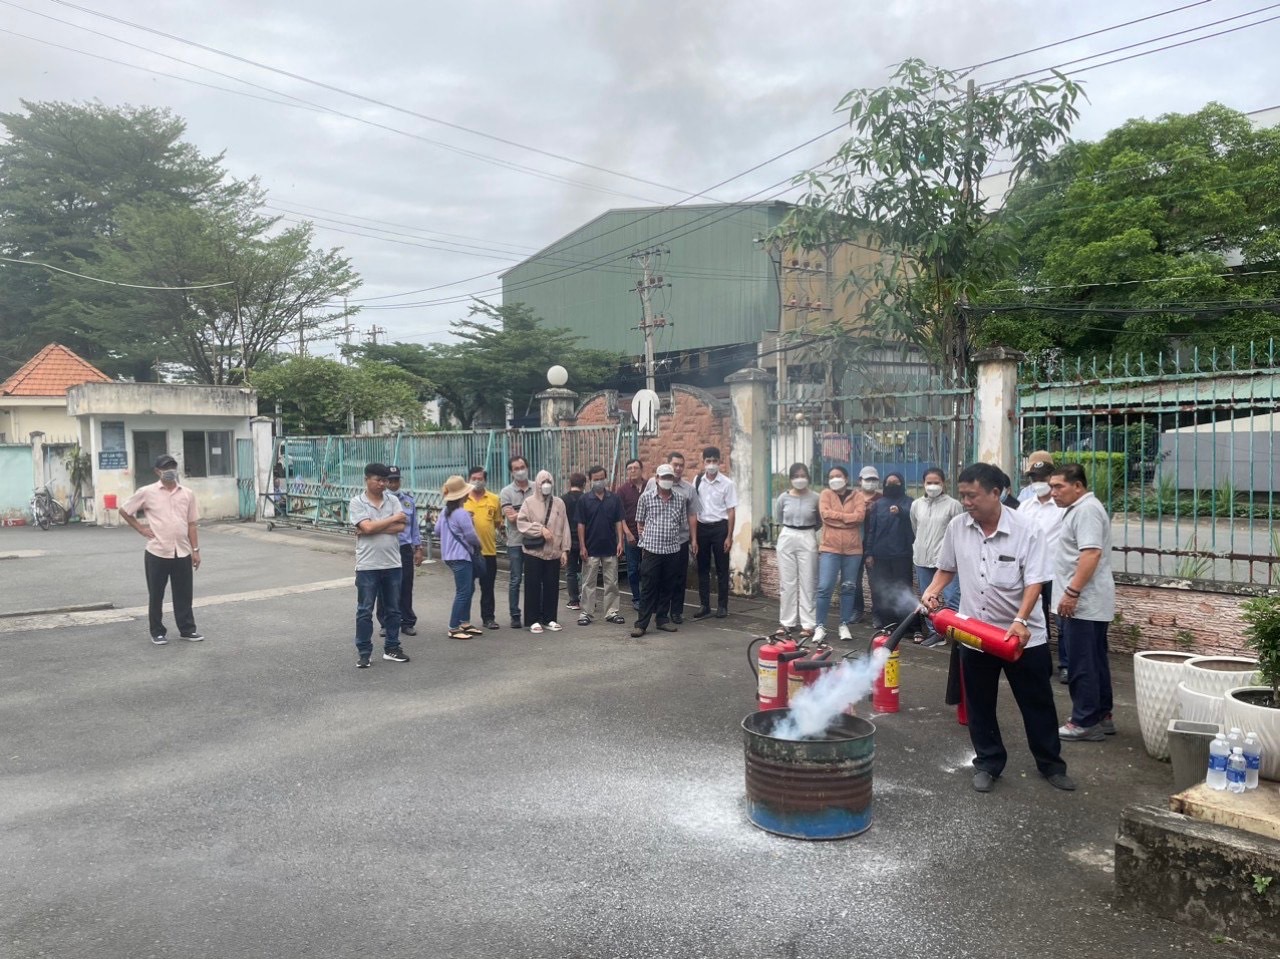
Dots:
{"x": 1047, "y": 515}
{"x": 843, "y": 511}
{"x": 796, "y": 511}
{"x": 543, "y": 525}
{"x": 930, "y": 517}
{"x": 887, "y": 547}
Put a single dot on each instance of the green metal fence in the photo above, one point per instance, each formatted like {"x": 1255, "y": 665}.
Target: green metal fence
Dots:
{"x": 323, "y": 472}
{"x": 905, "y": 423}
{"x": 1181, "y": 447}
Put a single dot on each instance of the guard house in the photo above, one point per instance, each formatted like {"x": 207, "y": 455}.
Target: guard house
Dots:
{"x": 125, "y": 426}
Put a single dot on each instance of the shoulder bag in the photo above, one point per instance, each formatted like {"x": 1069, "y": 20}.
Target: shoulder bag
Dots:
{"x": 538, "y": 541}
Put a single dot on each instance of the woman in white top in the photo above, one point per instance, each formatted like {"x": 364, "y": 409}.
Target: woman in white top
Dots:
{"x": 796, "y": 511}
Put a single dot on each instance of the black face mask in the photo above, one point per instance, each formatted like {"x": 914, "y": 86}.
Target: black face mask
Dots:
{"x": 892, "y": 490}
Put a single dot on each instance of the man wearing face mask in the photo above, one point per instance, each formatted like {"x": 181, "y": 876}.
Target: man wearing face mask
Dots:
{"x": 689, "y": 535}
{"x": 173, "y": 547}
{"x": 1047, "y": 516}
{"x": 485, "y": 509}
{"x": 511, "y": 499}
{"x": 887, "y": 547}
{"x": 718, "y": 505}
{"x": 929, "y": 519}
{"x": 662, "y": 516}
{"x": 599, "y": 520}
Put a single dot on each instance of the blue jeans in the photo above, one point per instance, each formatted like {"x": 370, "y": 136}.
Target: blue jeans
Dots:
{"x": 950, "y": 595}
{"x": 373, "y": 585}
{"x": 464, "y": 587}
{"x": 849, "y": 570}
{"x": 634, "y": 558}
{"x": 515, "y": 567}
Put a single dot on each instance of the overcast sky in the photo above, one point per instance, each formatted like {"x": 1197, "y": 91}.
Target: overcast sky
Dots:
{"x": 680, "y": 94}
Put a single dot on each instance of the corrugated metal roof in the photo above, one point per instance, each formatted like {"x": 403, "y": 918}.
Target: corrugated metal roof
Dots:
{"x": 1253, "y": 389}
{"x": 722, "y": 286}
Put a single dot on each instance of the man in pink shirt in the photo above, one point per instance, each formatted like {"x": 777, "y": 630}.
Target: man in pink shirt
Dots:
{"x": 173, "y": 546}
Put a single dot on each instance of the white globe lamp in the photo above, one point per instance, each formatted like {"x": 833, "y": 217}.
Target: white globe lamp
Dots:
{"x": 557, "y": 376}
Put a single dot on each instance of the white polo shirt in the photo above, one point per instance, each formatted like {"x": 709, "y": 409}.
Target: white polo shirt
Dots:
{"x": 995, "y": 570}
{"x": 716, "y": 496}
{"x": 1048, "y": 517}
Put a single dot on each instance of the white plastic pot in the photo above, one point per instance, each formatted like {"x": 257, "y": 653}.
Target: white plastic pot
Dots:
{"x": 1197, "y": 707}
{"x": 1217, "y": 674}
{"x": 1263, "y": 720}
{"x": 1156, "y": 674}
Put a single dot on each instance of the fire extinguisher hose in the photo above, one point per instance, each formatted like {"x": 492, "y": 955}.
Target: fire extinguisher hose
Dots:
{"x": 751, "y": 658}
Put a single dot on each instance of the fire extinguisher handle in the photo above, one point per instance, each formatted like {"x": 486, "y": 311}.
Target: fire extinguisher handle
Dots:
{"x": 794, "y": 654}
{"x": 809, "y": 665}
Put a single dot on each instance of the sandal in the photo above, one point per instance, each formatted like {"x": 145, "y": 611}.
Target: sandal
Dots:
{"x": 468, "y": 628}
{"x": 806, "y": 634}
{"x": 459, "y": 633}
{"x": 782, "y": 632}
{"x": 918, "y": 638}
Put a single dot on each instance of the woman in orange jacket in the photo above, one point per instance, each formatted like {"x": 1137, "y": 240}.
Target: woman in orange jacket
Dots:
{"x": 842, "y": 511}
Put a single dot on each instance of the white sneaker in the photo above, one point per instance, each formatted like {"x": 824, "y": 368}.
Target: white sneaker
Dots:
{"x": 535, "y": 628}
{"x": 820, "y": 634}
{"x": 844, "y": 632}
{"x": 553, "y": 626}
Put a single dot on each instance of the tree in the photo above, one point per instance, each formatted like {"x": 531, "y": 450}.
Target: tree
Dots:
{"x": 503, "y": 358}
{"x": 1150, "y": 238}
{"x": 117, "y": 194}
{"x": 317, "y": 394}
{"x": 906, "y": 185}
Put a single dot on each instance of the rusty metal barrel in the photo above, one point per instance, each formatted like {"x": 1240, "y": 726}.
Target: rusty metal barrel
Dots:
{"x": 813, "y": 788}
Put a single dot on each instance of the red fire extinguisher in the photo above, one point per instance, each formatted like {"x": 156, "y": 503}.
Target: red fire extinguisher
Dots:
{"x": 806, "y": 669}
{"x": 884, "y": 692}
{"x": 976, "y": 634}
{"x": 772, "y": 667}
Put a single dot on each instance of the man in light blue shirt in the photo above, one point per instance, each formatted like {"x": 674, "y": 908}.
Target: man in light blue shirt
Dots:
{"x": 411, "y": 555}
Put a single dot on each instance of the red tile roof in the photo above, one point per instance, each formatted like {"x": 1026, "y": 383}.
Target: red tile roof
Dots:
{"x": 51, "y": 372}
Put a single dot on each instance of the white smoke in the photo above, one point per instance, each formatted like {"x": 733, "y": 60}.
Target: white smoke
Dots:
{"x": 814, "y": 708}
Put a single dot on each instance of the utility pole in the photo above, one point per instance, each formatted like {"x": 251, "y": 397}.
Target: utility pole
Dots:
{"x": 645, "y": 287}
{"x": 347, "y": 329}
{"x": 374, "y": 332}
{"x": 302, "y": 340}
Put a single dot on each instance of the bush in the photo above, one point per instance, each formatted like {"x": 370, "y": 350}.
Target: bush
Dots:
{"x": 1106, "y": 471}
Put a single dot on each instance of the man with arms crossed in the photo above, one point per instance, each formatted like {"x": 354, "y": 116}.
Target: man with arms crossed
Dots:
{"x": 379, "y": 521}
{"x": 1001, "y": 562}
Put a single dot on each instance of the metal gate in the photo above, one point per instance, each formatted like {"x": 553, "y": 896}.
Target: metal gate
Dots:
{"x": 244, "y": 479}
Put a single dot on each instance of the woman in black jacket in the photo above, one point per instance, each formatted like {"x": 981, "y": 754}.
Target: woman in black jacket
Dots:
{"x": 887, "y": 547}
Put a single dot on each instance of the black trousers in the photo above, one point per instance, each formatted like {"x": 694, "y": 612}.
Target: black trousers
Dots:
{"x": 541, "y": 589}
{"x": 679, "y": 572}
{"x": 891, "y": 596}
{"x": 658, "y": 574}
{"x": 711, "y": 537}
{"x": 1050, "y": 618}
{"x": 160, "y": 572}
{"x": 1029, "y": 678}
{"x": 488, "y": 611}
{"x": 407, "y": 570}
{"x": 573, "y": 574}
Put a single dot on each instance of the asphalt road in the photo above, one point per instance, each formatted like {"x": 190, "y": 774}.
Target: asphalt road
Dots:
{"x": 571, "y": 795}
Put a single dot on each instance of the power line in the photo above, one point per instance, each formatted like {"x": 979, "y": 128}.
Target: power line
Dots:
{"x": 1143, "y": 43}
{"x": 311, "y": 106}
{"x": 365, "y": 98}
{"x": 1083, "y": 36}
{"x": 95, "y": 279}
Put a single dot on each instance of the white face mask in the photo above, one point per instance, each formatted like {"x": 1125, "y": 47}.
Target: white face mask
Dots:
{"x": 666, "y": 483}
{"x": 1040, "y": 489}
{"x": 711, "y": 469}
{"x": 836, "y": 483}
{"x": 520, "y": 475}
{"x": 870, "y": 485}
{"x": 932, "y": 489}
{"x": 546, "y": 489}
{"x": 800, "y": 482}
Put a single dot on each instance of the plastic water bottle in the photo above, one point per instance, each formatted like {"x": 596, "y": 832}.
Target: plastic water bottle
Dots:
{"x": 1219, "y": 752}
{"x": 1236, "y": 767}
{"x": 1253, "y": 760}
{"x": 1235, "y": 737}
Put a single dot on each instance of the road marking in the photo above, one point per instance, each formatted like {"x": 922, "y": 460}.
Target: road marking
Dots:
{"x": 1095, "y": 858}
{"x": 23, "y": 553}
{"x": 20, "y": 624}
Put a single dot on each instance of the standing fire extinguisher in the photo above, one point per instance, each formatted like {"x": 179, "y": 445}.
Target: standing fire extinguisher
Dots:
{"x": 772, "y": 668}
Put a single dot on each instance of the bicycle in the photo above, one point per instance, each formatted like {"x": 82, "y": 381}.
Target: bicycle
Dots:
{"x": 46, "y": 510}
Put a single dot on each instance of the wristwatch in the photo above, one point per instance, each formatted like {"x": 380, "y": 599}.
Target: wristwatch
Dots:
{"x": 1024, "y": 622}
{"x": 195, "y": 549}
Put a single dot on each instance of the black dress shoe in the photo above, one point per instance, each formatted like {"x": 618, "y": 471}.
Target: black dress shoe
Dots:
{"x": 515, "y": 623}
{"x": 721, "y": 613}
{"x": 983, "y": 781}
{"x": 702, "y": 613}
{"x": 677, "y": 619}
{"x": 1062, "y": 781}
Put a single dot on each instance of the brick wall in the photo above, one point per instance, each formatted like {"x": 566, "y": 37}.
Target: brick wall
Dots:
{"x": 690, "y": 420}
{"x": 1148, "y": 617}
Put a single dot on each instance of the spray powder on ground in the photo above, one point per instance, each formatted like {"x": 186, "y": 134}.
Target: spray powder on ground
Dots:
{"x": 814, "y": 708}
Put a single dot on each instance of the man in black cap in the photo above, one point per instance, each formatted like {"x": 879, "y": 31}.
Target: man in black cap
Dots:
{"x": 410, "y": 556}
{"x": 173, "y": 547}
{"x": 379, "y": 520}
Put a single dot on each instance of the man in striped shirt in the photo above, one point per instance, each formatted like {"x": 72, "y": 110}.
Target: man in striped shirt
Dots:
{"x": 662, "y": 517}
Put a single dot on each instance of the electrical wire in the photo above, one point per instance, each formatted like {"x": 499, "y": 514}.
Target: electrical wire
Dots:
{"x": 1082, "y": 36}
{"x": 95, "y": 279}
{"x": 333, "y": 88}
